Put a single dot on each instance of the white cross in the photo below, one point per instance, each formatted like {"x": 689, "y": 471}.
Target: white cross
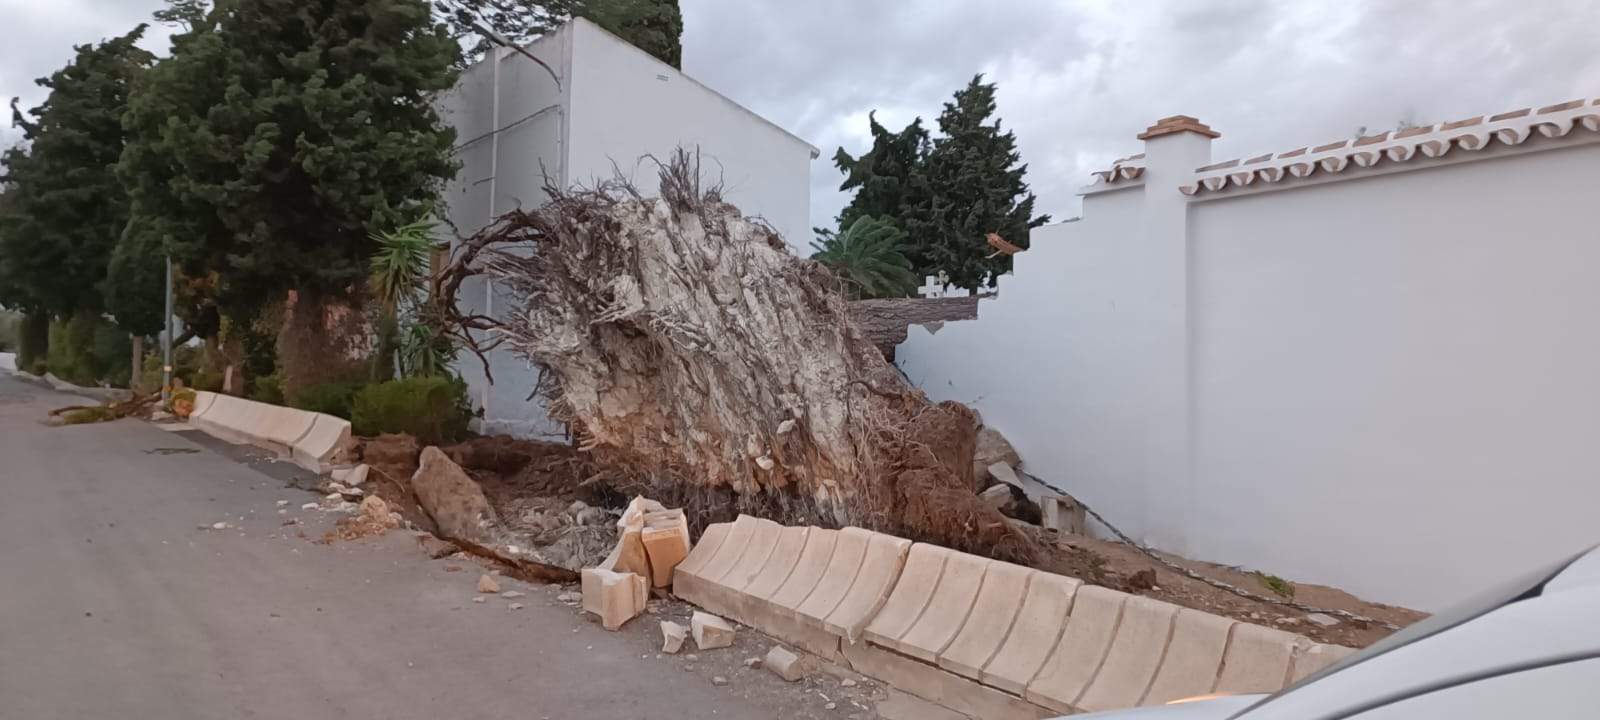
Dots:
{"x": 931, "y": 288}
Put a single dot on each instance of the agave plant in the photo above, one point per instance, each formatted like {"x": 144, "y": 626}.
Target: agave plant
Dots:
{"x": 399, "y": 270}
{"x": 868, "y": 257}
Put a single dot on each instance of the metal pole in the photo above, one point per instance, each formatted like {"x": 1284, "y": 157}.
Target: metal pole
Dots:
{"x": 166, "y": 345}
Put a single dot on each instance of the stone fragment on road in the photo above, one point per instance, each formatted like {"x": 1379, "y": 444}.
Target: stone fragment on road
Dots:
{"x": 1323, "y": 619}
{"x": 719, "y": 680}
{"x": 512, "y": 594}
{"x": 516, "y": 606}
{"x": 487, "y": 584}
{"x": 784, "y": 664}
{"x": 616, "y": 597}
{"x": 710, "y": 631}
{"x": 570, "y": 597}
{"x": 453, "y": 499}
{"x": 433, "y": 547}
{"x": 480, "y": 599}
{"x": 752, "y": 662}
{"x": 672, "y": 637}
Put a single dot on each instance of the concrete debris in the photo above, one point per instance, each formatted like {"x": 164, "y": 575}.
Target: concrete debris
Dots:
{"x": 997, "y": 496}
{"x": 847, "y": 682}
{"x": 512, "y": 594}
{"x": 710, "y": 632}
{"x": 992, "y": 448}
{"x": 784, "y": 664}
{"x": 616, "y": 597}
{"x": 672, "y": 637}
{"x": 220, "y": 526}
{"x": 282, "y": 503}
{"x": 351, "y": 477}
{"x": 310, "y": 506}
{"x": 1064, "y": 514}
{"x": 487, "y": 584}
{"x": 570, "y": 597}
{"x": 1323, "y": 619}
{"x": 480, "y": 599}
{"x": 752, "y": 662}
{"x": 719, "y": 680}
{"x": 591, "y": 516}
{"x": 666, "y": 543}
{"x": 516, "y": 606}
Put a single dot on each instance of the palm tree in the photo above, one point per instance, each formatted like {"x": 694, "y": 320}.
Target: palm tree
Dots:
{"x": 868, "y": 257}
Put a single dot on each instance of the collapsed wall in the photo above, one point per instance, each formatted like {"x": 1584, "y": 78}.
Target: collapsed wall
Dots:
{"x": 685, "y": 344}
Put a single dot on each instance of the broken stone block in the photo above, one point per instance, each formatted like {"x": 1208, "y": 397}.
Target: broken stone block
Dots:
{"x": 710, "y": 631}
{"x": 616, "y": 597}
{"x": 453, "y": 499}
{"x": 487, "y": 584}
{"x": 630, "y": 553}
{"x": 997, "y": 497}
{"x": 672, "y": 637}
{"x": 991, "y": 448}
{"x": 666, "y": 543}
{"x": 784, "y": 664}
{"x": 351, "y": 477}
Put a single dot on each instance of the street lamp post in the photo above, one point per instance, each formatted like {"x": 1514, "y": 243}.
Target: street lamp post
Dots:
{"x": 166, "y": 345}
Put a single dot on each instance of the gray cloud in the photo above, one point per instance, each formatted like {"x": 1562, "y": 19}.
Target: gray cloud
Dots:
{"x": 1077, "y": 79}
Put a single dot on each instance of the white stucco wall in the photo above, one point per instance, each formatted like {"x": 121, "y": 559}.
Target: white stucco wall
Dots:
{"x": 626, "y": 105}
{"x": 1385, "y": 381}
{"x": 509, "y": 118}
{"x": 518, "y": 124}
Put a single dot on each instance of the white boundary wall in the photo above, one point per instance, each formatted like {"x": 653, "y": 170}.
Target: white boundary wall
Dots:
{"x": 1382, "y": 378}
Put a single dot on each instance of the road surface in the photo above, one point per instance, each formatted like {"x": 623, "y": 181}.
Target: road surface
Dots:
{"x": 115, "y": 604}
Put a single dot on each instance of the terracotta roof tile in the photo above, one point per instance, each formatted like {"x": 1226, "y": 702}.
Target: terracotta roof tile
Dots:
{"x": 1570, "y": 104}
{"x": 1177, "y": 124}
{"x": 1509, "y": 115}
{"x": 1466, "y": 135}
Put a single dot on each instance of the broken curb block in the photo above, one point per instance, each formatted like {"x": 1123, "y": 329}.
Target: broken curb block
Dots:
{"x": 710, "y": 631}
{"x": 487, "y": 584}
{"x": 1257, "y": 660}
{"x": 616, "y": 597}
{"x": 784, "y": 664}
{"x": 672, "y": 637}
{"x": 666, "y": 543}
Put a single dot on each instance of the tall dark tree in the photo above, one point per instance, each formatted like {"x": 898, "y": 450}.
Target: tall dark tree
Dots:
{"x": 655, "y": 26}
{"x": 947, "y": 193}
{"x": 65, "y": 208}
{"x": 975, "y": 187}
{"x": 280, "y": 136}
{"x": 886, "y": 178}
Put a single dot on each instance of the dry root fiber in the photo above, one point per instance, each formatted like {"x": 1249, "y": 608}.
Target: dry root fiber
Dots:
{"x": 686, "y": 344}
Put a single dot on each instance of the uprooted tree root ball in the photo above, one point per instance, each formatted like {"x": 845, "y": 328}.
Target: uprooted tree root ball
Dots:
{"x": 691, "y": 351}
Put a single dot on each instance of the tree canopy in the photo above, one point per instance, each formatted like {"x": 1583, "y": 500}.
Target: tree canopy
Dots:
{"x": 281, "y": 134}
{"x": 64, "y": 207}
{"x": 947, "y": 192}
{"x": 654, "y": 26}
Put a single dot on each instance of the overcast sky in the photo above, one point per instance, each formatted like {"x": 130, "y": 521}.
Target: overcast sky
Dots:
{"x": 1077, "y": 79}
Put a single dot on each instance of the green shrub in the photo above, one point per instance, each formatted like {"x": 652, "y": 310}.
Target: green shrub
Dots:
{"x": 33, "y": 339}
{"x": 71, "y": 354}
{"x": 334, "y": 399}
{"x": 432, "y": 409}
{"x": 269, "y": 389}
{"x": 10, "y": 330}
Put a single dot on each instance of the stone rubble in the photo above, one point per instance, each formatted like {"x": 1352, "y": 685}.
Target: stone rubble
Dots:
{"x": 710, "y": 632}
{"x": 487, "y": 584}
{"x": 672, "y": 637}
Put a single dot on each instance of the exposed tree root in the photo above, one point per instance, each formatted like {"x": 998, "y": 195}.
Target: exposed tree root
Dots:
{"x": 686, "y": 345}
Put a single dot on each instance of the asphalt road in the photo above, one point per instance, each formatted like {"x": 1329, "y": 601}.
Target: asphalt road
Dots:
{"x": 115, "y": 604}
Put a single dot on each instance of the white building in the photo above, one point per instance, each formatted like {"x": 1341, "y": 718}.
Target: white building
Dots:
{"x": 1372, "y": 363}
{"x": 596, "y": 107}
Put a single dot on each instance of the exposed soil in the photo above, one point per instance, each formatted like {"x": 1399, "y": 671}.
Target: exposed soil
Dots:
{"x": 560, "y": 496}
{"x": 1119, "y": 566}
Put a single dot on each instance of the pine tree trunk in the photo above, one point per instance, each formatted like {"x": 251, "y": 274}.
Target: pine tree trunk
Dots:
{"x": 138, "y": 360}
